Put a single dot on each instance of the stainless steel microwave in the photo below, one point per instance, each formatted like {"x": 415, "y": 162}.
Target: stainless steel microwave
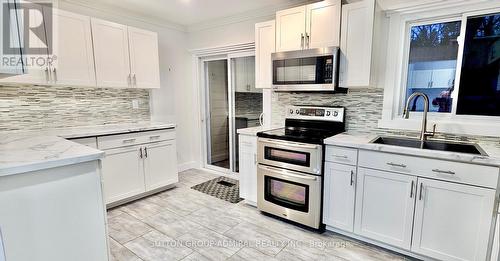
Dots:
{"x": 306, "y": 70}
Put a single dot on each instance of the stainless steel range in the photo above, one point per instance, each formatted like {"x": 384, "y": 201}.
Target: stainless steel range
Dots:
{"x": 290, "y": 169}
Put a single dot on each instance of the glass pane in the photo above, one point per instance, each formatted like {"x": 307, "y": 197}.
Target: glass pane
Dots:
{"x": 218, "y": 110}
{"x": 247, "y": 100}
{"x": 287, "y": 156}
{"x": 480, "y": 78}
{"x": 288, "y": 192}
{"x": 432, "y": 64}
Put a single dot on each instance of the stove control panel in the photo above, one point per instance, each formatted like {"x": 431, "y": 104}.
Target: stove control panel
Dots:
{"x": 316, "y": 113}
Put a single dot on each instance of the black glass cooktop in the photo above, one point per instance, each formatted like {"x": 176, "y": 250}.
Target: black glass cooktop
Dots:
{"x": 314, "y": 133}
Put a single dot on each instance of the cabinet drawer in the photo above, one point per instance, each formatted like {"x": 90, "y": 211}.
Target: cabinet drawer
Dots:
{"x": 341, "y": 155}
{"x": 116, "y": 141}
{"x": 465, "y": 173}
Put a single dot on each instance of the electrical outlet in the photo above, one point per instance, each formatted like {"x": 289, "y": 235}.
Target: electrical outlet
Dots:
{"x": 135, "y": 104}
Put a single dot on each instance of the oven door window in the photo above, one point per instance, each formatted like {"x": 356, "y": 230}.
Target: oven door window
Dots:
{"x": 287, "y": 194}
{"x": 287, "y": 156}
{"x": 311, "y": 70}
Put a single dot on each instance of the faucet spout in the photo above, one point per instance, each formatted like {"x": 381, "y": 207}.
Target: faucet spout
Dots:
{"x": 406, "y": 114}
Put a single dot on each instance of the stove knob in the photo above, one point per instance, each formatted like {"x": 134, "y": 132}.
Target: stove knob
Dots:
{"x": 335, "y": 114}
{"x": 297, "y": 111}
{"x": 291, "y": 111}
{"x": 328, "y": 113}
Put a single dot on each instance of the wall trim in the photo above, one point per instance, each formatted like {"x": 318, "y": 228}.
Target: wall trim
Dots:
{"x": 187, "y": 165}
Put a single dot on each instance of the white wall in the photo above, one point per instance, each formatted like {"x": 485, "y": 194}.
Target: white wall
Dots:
{"x": 174, "y": 101}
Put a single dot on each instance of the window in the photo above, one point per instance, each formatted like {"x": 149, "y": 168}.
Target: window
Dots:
{"x": 432, "y": 64}
{"x": 479, "y": 92}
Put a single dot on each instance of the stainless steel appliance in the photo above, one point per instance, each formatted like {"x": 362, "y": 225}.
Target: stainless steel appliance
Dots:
{"x": 290, "y": 163}
{"x": 306, "y": 70}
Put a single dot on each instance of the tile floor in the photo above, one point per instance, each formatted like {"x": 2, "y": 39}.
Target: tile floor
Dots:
{"x": 184, "y": 224}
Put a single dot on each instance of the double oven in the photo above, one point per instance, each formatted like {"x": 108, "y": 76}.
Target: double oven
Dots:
{"x": 290, "y": 164}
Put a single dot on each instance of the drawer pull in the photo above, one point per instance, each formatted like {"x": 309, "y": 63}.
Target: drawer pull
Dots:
{"x": 128, "y": 140}
{"x": 449, "y": 172}
{"x": 154, "y": 137}
{"x": 396, "y": 165}
{"x": 341, "y": 156}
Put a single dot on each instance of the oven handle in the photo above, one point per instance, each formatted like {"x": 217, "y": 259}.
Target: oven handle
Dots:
{"x": 287, "y": 173}
{"x": 291, "y": 144}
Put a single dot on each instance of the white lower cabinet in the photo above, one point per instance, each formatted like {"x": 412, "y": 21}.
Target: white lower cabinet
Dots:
{"x": 339, "y": 196}
{"x": 248, "y": 168}
{"x": 160, "y": 164}
{"x": 495, "y": 254}
{"x": 452, "y": 221}
{"x": 122, "y": 173}
{"x": 384, "y": 207}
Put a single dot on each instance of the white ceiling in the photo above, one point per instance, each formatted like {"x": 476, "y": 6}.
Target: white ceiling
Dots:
{"x": 190, "y": 12}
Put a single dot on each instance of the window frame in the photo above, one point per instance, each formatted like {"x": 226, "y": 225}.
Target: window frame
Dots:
{"x": 396, "y": 74}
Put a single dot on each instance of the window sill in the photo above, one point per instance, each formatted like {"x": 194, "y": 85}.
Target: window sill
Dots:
{"x": 462, "y": 127}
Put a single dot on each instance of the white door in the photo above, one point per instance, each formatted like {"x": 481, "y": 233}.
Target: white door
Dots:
{"x": 72, "y": 45}
{"x": 112, "y": 62}
{"x": 339, "y": 196}
{"x": 323, "y": 24}
{"x": 265, "y": 39}
{"x": 443, "y": 78}
{"x": 356, "y": 44}
{"x": 421, "y": 78}
{"x": 123, "y": 173}
{"x": 290, "y": 29}
{"x": 144, "y": 58}
{"x": 384, "y": 207}
{"x": 160, "y": 165}
{"x": 452, "y": 221}
{"x": 248, "y": 168}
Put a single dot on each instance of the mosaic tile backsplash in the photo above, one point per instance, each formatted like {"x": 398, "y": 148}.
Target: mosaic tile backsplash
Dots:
{"x": 363, "y": 110}
{"x": 31, "y": 107}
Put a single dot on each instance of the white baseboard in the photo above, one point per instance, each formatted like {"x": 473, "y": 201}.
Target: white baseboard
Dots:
{"x": 187, "y": 165}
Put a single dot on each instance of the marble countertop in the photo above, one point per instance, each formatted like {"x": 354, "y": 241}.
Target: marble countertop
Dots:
{"x": 360, "y": 141}
{"x": 20, "y": 153}
{"x": 253, "y": 130}
{"x": 25, "y": 151}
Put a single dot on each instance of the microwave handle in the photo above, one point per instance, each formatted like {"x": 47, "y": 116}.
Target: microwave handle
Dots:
{"x": 288, "y": 173}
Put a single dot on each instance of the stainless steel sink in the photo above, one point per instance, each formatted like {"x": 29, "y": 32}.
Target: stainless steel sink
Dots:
{"x": 468, "y": 148}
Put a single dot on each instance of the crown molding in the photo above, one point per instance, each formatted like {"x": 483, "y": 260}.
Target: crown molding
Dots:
{"x": 263, "y": 13}
{"x": 125, "y": 14}
{"x": 424, "y": 6}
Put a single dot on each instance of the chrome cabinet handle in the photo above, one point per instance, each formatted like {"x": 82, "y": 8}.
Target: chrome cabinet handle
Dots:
{"x": 128, "y": 140}
{"x": 421, "y": 191}
{"x": 47, "y": 76}
{"x": 411, "y": 192}
{"x": 302, "y": 41}
{"x": 444, "y": 171}
{"x": 307, "y": 40}
{"x": 134, "y": 81}
{"x": 145, "y": 152}
{"x": 154, "y": 137}
{"x": 54, "y": 71}
{"x": 396, "y": 164}
{"x": 352, "y": 177}
{"x": 140, "y": 153}
{"x": 255, "y": 159}
{"x": 341, "y": 156}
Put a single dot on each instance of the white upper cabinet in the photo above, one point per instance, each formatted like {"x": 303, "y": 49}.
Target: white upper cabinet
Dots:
{"x": 311, "y": 26}
{"x": 356, "y": 44}
{"x": 11, "y": 29}
{"x": 384, "y": 207}
{"x": 290, "y": 29}
{"x": 111, "y": 49}
{"x": 144, "y": 59}
{"x": 339, "y": 196}
{"x": 323, "y": 24}
{"x": 72, "y": 45}
{"x": 452, "y": 221}
{"x": 265, "y": 45}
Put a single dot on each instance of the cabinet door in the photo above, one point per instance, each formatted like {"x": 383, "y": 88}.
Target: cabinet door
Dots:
{"x": 144, "y": 58}
{"x": 495, "y": 255}
{"x": 111, "y": 52}
{"x": 421, "y": 78}
{"x": 12, "y": 31}
{"x": 442, "y": 78}
{"x": 339, "y": 196}
{"x": 123, "y": 173}
{"x": 72, "y": 45}
{"x": 248, "y": 168}
{"x": 323, "y": 24}
{"x": 240, "y": 75}
{"x": 384, "y": 207}
{"x": 290, "y": 29}
{"x": 160, "y": 165}
{"x": 265, "y": 40}
{"x": 452, "y": 221}
{"x": 356, "y": 44}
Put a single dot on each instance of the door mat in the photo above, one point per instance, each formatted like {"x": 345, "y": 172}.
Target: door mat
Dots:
{"x": 223, "y": 188}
